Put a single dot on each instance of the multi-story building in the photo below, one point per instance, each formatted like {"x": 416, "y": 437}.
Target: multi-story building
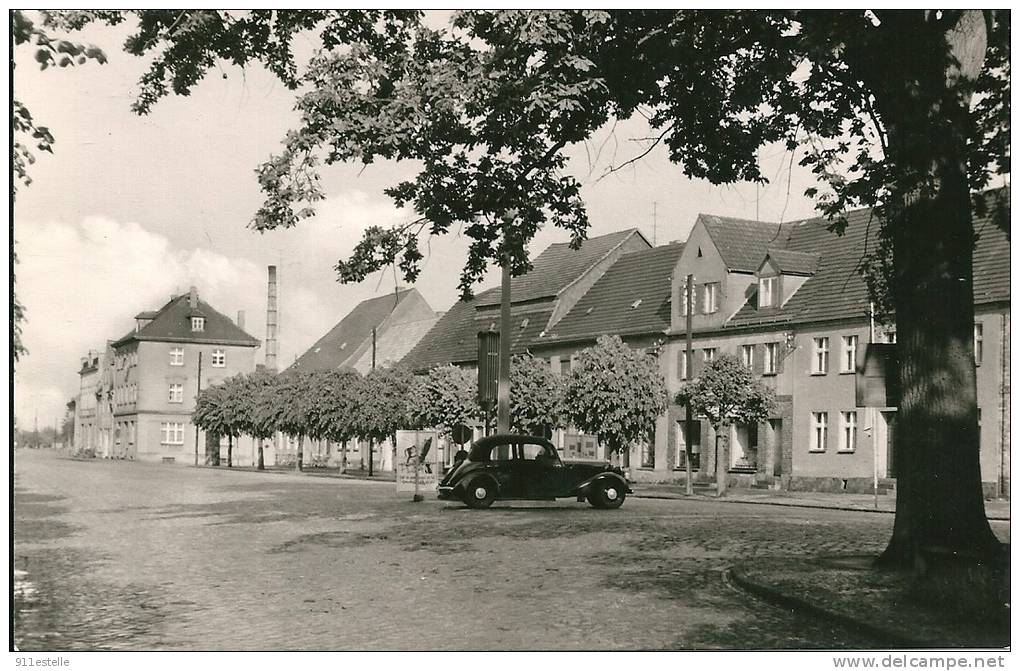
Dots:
{"x": 789, "y": 300}
{"x": 158, "y": 368}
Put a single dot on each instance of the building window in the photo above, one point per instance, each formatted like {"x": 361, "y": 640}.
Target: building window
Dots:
{"x": 176, "y": 393}
{"x": 564, "y": 366}
{"x": 819, "y": 431}
{"x": 647, "y": 456}
{"x": 979, "y": 342}
{"x": 747, "y": 355}
{"x": 198, "y": 323}
{"x": 767, "y": 292}
{"x": 771, "y": 366}
{"x": 172, "y": 433}
{"x": 849, "y": 358}
{"x": 820, "y": 356}
{"x": 848, "y": 431}
{"x": 709, "y": 353}
{"x": 682, "y": 365}
{"x": 176, "y": 356}
{"x": 219, "y": 358}
{"x": 887, "y": 336}
{"x": 710, "y": 298}
{"x": 682, "y": 441}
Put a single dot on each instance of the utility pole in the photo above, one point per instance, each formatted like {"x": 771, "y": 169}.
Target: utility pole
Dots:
{"x": 654, "y": 221}
{"x": 371, "y": 445}
{"x": 689, "y": 421}
{"x": 199, "y": 391}
{"x": 503, "y": 389}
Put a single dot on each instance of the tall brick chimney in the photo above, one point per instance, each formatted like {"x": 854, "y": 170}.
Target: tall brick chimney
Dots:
{"x": 271, "y": 317}
{"x": 240, "y": 319}
{"x": 193, "y": 298}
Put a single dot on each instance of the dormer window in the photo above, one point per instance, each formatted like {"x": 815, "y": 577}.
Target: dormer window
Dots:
{"x": 767, "y": 291}
{"x": 197, "y": 324}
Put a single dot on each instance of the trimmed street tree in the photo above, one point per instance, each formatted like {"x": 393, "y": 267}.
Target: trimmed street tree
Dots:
{"x": 903, "y": 111}
{"x": 536, "y": 395}
{"x": 616, "y": 393}
{"x": 727, "y": 393}
{"x": 334, "y": 413}
{"x": 210, "y": 416}
{"x": 442, "y": 399}
{"x": 295, "y": 396}
{"x": 383, "y": 407}
{"x": 257, "y": 400}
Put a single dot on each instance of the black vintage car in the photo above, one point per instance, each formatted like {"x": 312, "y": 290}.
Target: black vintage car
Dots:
{"x": 528, "y": 467}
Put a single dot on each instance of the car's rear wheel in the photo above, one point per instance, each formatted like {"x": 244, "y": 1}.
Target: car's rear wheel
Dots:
{"x": 479, "y": 493}
{"x": 607, "y": 494}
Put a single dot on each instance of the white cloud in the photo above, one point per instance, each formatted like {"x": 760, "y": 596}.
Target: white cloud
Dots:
{"x": 83, "y": 283}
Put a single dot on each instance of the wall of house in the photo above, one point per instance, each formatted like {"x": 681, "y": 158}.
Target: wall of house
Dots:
{"x": 153, "y": 375}
{"x": 993, "y": 400}
{"x": 734, "y": 288}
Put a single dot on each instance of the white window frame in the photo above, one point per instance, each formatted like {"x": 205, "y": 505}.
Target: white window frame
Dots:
{"x": 175, "y": 392}
{"x": 849, "y": 358}
{"x": 684, "y": 365}
{"x": 219, "y": 358}
{"x": 685, "y": 302}
{"x": 771, "y": 362}
{"x": 747, "y": 356}
{"x": 708, "y": 354}
{"x": 767, "y": 292}
{"x": 819, "y": 431}
{"x": 710, "y": 298}
{"x": 848, "y": 431}
{"x": 979, "y": 342}
{"x": 172, "y": 433}
{"x": 197, "y": 324}
{"x": 819, "y": 356}
{"x": 176, "y": 356}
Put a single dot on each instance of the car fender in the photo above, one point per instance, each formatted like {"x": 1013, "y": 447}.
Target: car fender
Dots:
{"x": 582, "y": 489}
{"x": 477, "y": 475}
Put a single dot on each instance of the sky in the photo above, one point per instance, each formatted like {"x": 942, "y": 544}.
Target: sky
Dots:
{"x": 130, "y": 210}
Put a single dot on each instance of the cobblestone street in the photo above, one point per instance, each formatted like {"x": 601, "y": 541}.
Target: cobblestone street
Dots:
{"x": 132, "y": 556}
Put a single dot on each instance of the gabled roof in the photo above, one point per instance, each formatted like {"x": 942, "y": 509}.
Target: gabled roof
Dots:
{"x": 633, "y": 296}
{"x": 837, "y": 289}
{"x": 452, "y": 336}
{"x": 789, "y": 262}
{"x": 172, "y": 323}
{"x": 741, "y": 242}
{"x": 339, "y": 346}
{"x": 558, "y": 266}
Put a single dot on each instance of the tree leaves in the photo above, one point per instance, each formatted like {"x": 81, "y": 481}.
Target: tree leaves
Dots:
{"x": 727, "y": 392}
{"x": 616, "y": 393}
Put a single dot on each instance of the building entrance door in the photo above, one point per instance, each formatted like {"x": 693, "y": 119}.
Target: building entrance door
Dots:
{"x": 776, "y": 446}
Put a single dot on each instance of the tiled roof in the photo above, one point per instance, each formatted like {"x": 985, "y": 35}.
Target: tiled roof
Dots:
{"x": 742, "y": 242}
{"x": 794, "y": 263}
{"x": 632, "y": 296}
{"x": 335, "y": 349}
{"x": 559, "y": 265}
{"x": 172, "y": 323}
{"x": 837, "y": 290}
{"x": 451, "y": 336}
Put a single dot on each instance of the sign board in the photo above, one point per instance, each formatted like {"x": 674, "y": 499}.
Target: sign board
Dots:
{"x": 878, "y": 377}
{"x": 418, "y": 451}
{"x": 488, "y": 367}
{"x": 462, "y": 434}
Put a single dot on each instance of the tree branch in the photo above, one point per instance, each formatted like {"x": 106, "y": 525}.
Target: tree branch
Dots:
{"x": 611, "y": 169}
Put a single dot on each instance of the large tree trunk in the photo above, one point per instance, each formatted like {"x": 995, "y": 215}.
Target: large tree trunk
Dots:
{"x": 298, "y": 458}
{"x": 939, "y": 502}
{"x": 262, "y": 461}
{"x": 230, "y": 451}
{"x": 343, "y": 456}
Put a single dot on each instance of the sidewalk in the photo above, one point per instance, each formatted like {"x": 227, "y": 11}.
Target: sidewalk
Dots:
{"x": 995, "y": 509}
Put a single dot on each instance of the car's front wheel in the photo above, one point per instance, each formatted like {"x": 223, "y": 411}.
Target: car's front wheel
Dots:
{"x": 606, "y": 494}
{"x": 479, "y": 493}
